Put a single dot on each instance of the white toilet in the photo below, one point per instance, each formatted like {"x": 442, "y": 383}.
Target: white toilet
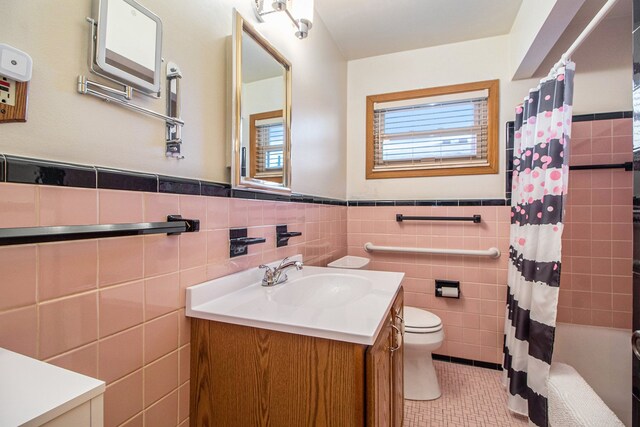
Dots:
{"x": 350, "y": 261}
{"x": 423, "y": 334}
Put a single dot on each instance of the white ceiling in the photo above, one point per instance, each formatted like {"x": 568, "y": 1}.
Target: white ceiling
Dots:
{"x": 363, "y": 28}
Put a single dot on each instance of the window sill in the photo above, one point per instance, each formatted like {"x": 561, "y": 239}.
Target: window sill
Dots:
{"x": 419, "y": 173}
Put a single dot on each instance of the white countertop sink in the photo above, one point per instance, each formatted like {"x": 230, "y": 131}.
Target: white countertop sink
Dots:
{"x": 324, "y": 290}
{"x": 338, "y": 304}
{"x": 33, "y": 392}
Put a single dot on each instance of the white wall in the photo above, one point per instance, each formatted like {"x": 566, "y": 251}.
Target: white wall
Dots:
{"x": 603, "y": 83}
{"x": 65, "y": 126}
{"x": 602, "y": 356}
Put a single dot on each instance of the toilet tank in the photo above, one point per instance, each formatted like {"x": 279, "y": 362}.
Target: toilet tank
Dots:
{"x": 350, "y": 261}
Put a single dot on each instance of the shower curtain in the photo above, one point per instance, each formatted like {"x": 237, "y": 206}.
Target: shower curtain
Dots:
{"x": 540, "y": 176}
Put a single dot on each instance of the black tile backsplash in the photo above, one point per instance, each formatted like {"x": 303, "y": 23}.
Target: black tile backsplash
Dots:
{"x": 273, "y": 197}
{"x": 447, "y": 203}
{"x": 469, "y": 202}
{"x": 214, "y": 189}
{"x": 243, "y": 194}
{"x": 602, "y": 116}
{"x": 451, "y": 202}
{"x": 114, "y": 179}
{"x": 31, "y": 171}
{"x": 494, "y": 202}
{"x": 426, "y": 203}
{"x": 168, "y": 184}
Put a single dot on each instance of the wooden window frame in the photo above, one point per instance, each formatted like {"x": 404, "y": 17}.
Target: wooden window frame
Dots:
{"x": 253, "y": 143}
{"x": 493, "y": 115}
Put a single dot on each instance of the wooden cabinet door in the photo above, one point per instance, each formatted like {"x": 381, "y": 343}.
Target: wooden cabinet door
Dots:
{"x": 397, "y": 362}
{"x": 378, "y": 360}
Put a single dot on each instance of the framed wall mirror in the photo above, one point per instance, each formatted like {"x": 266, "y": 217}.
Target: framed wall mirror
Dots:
{"x": 261, "y": 112}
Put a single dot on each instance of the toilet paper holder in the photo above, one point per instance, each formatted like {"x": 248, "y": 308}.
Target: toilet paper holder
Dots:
{"x": 447, "y": 288}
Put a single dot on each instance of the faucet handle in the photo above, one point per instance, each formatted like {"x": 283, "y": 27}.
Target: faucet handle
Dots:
{"x": 268, "y": 270}
{"x": 267, "y": 280}
{"x": 282, "y": 262}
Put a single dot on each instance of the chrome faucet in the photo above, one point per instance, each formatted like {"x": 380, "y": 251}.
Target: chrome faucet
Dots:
{"x": 275, "y": 276}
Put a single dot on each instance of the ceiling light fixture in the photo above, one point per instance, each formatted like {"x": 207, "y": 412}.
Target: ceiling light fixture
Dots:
{"x": 300, "y": 12}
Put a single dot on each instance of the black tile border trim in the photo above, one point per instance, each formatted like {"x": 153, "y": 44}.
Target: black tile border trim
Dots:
{"x": 14, "y": 169}
{"x": 169, "y": 184}
{"x": 468, "y": 362}
{"x": 114, "y": 179}
{"x": 23, "y": 170}
{"x": 602, "y": 116}
{"x": 453, "y": 202}
{"x": 3, "y": 168}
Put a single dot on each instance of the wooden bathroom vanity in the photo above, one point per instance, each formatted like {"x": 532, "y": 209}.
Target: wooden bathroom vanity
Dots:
{"x": 250, "y": 376}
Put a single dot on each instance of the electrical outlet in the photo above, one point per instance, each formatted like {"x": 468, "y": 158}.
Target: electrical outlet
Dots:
{"x": 7, "y": 91}
{"x": 13, "y": 100}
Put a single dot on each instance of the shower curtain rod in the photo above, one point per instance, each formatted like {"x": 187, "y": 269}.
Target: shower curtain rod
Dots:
{"x": 583, "y": 35}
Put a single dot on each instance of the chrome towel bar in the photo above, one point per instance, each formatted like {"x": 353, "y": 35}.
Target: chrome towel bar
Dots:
{"x": 24, "y": 235}
{"x": 491, "y": 252}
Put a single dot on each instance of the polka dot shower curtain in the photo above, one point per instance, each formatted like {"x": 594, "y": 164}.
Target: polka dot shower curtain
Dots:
{"x": 540, "y": 176}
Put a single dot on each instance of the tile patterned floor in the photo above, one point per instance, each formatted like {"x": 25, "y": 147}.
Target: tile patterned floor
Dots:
{"x": 471, "y": 397}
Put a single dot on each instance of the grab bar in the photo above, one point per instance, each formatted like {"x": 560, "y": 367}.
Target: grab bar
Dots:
{"x": 491, "y": 252}
{"x": 476, "y": 219}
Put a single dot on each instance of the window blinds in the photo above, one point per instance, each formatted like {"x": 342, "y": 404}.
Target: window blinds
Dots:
{"x": 422, "y": 134}
{"x": 269, "y": 147}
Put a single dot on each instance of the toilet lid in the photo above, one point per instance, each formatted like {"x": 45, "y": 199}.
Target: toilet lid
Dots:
{"x": 421, "y": 321}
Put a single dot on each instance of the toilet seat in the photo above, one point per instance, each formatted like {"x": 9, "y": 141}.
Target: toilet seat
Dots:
{"x": 417, "y": 321}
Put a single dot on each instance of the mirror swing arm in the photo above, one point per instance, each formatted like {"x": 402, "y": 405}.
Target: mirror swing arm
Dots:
{"x": 174, "y": 123}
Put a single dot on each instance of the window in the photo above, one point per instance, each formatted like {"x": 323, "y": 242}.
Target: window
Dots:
{"x": 449, "y": 130}
{"x": 267, "y": 145}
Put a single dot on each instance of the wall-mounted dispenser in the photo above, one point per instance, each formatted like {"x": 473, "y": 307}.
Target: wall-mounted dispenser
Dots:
{"x": 239, "y": 242}
{"x": 15, "y": 71}
{"x": 283, "y": 236}
{"x": 447, "y": 288}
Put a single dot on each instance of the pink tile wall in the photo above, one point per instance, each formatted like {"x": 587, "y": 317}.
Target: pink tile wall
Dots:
{"x": 474, "y": 323}
{"x": 114, "y": 308}
{"x": 596, "y": 286}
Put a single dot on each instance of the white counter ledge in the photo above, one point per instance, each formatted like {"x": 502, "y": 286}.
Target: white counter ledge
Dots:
{"x": 33, "y": 392}
{"x": 352, "y": 313}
